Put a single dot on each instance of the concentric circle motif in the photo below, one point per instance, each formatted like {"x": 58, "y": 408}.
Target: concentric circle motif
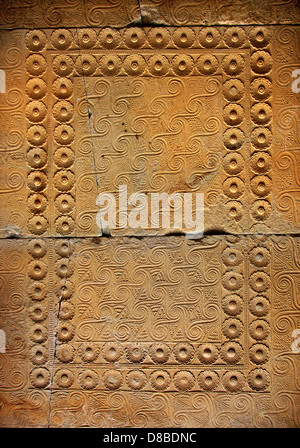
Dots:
{"x": 259, "y": 329}
{"x": 160, "y": 380}
{"x": 112, "y": 351}
{"x": 64, "y": 134}
{"x": 63, "y": 111}
{"x": 36, "y": 88}
{"x": 261, "y": 114}
{"x": 233, "y": 64}
{"x": 261, "y": 210}
{"x": 235, "y": 210}
{"x": 66, "y": 311}
{"x": 65, "y": 225}
{"x": 134, "y": 37}
{"x": 207, "y": 64}
{"x": 37, "y": 291}
{"x": 259, "y": 306}
{"x": 64, "y": 289}
{"x": 37, "y": 225}
{"x": 231, "y": 257}
{"x": 64, "y": 157}
{"x": 135, "y": 352}
{"x": 259, "y": 281}
{"x": 36, "y": 158}
{"x": 89, "y": 351}
{"x": 184, "y": 380}
{"x": 182, "y": 64}
{"x": 112, "y": 379}
{"x": 159, "y": 352}
{"x": 35, "y": 64}
{"x": 88, "y": 379}
{"x": 64, "y": 180}
{"x": 232, "y": 281}
{"x": 37, "y": 270}
{"x": 87, "y": 38}
{"x": 183, "y": 37}
{"x": 38, "y": 333}
{"x": 40, "y": 377}
{"x": 38, "y": 312}
{"x": 260, "y": 37}
{"x": 259, "y": 353}
{"x": 258, "y": 379}
{"x": 136, "y": 379}
{"x": 233, "y": 163}
{"x": 134, "y": 65}
{"x": 183, "y": 352}
{"x": 109, "y": 38}
{"x": 37, "y": 248}
{"x": 234, "y": 37}
{"x": 233, "y": 90}
{"x": 233, "y": 187}
{"x": 64, "y": 268}
{"x": 207, "y": 353}
{"x": 234, "y": 138}
{"x": 261, "y": 62}
{"x": 63, "y": 248}
{"x": 260, "y": 257}
{"x": 35, "y": 40}
{"x": 66, "y": 331}
{"x": 38, "y": 355}
{"x": 233, "y": 114}
{"x": 85, "y": 64}
{"x": 158, "y": 37}
{"x": 64, "y": 378}
{"x": 35, "y": 111}
{"x": 232, "y": 328}
{"x": 232, "y": 305}
{"x": 208, "y": 380}
{"x": 233, "y": 381}
{"x": 231, "y": 352}
{"x": 63, "y": 65}
{"x": 261, "y": 186}
{"x": 65, "y": 353}
{"x": 110, "y": 65}
{"x": 261, "y": 162}
{"x": 36, "y": 135}
{"x": 261, "y": 137}
{"x": 158, "y": 65}
{"x": 61, "y": 39}
{"x": 261, "y": 89}
{"x": 62, "y": 88}
{"x": 64, "y": 203}
{"x": 209, "y": 37}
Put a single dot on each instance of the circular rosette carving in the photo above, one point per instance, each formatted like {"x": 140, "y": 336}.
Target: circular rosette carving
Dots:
{"x": 259, "y": 281}
{"x": 64, "y": 289}
{"x": 235, "y": 210}
{"x": 259, "y": 329}
{"x": 36, "y": 88}
{"x": 261, "y": 210}
{"x": 66, "y": 331}
{"x": 232, "y": 305}
{"x": 88, "y": 379}
{"x": 184, "y": 380}
{"x": 160, "y": 380}
{"x": 183, "y": 352}
{"x": 261, "y": 113}
{"x": 233, "y": 90}
{"x": 64, "y": 378}
{"x": 233, "y": 64}
{"x": 232, "y": 328}
{"x": 208, "y": 380}
{"x": 85, "y": 65}
{"x": 110, "y": 65}
{"x": 112, "y": 379}
{"x": 35, "y": 40}
{"x": 65, "y": 353}
{"x": 61, "y": 39}
{"x": 112, "y": 351}
{"x": 231, "y": 352}
{"x": 37, "y": 270}
{"x": 64, "y": 203}
{"x": 40, "y": 377}
{"x": 259, "y": 353}
{"x": 209, "y": 37}
{"x": 261, "y": 162}
{"x": 183, "y": 37}
{"x": 38, "y": 355}
{"x": 64, "y": 157}
{"x": 66, "y": 311}
{"x": 35, "y": 64}
{"x": 109, "y": 38}
{"x": 158, "y": 65}
{"x": 232, "y": 281}
{"x": 207, "y": 353}
{"x": 233, "y": 114}
{"x": 64, "y": 268}
{"x": 38, "y": 333}
{"x": 234, "y": 37}
{"x": 136, "y": 379}
{"x": 37, "y": 135}
{"x": 233, "y": 187}
{"x": 231, "y": 257}
{"x": 38, "y": 312}
{"x": 37, "y": 225}
{"x": 63, "y": 248}
{"x": 261, "y": 89}
{"x": 37, "y": 291}
{"x": 158, "y": 37}
{"x": 260, "y": 37}
{"x": 260, "y": 257}
{"x": 134, "y": 37}
{"x": 233, "y": 381}
{"x": 62, "y": 88}
{"x": 63, "y": 65}
{"x": 261, "y": 186}
{"x": 159, "y": 352}
{"x": 89, "y": 351}
{"x": 234, "y": 138}
{"x": 134, "y": 65}
{"x": 64, "y": 180}
{"x": 63, "y": 111}
{"x": 35, "y": 111}
{"x": 37, "y": 248}
{"x": 64, "y": 134}
{"x": 207, "y": 64}
{"x": 233, "y": 163}
{"x": 261, "y": 137}
{"x": 261, "y": 62}
{"x": 87, "y": 38}
{"x": 259, "y": 306}
{"x": 135, "y": 352}
{"x": 37, "y": 158}
{"x": 182, "y": 64}
{"x": 258, "y": 379}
